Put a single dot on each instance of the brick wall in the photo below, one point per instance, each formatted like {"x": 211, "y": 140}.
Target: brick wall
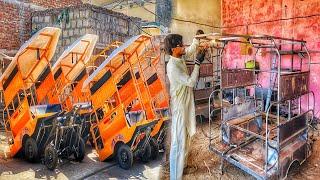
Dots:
{"x": 15, "y": 26}
{"x": 15, "y": 20}
{"x": 284, "y": 18}
{"x": 55, "y": 3}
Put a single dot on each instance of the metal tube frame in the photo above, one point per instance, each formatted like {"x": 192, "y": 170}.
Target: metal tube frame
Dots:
{"x": 276, "y": 46}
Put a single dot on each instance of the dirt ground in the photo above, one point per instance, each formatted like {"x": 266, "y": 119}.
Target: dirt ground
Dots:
{"x": 204, "y": 164}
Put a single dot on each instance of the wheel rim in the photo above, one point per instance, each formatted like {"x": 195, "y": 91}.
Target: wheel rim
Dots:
{"x": 124, "y": 157}
{"x": 29, "y": 150}
{"x": 77, "y": 151}
{"x": 50, "y": 158}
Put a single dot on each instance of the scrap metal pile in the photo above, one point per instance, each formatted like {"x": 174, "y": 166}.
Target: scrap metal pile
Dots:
{"x": 51, "y": 112}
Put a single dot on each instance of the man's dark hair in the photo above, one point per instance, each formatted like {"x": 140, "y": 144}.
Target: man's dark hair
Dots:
{"x": 200, "y": 31}
{"x": 172, "y": 41}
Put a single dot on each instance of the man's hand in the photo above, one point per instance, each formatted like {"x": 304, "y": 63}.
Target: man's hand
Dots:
{"x": 209, "y": 44}
{"x": 200, "y": 56}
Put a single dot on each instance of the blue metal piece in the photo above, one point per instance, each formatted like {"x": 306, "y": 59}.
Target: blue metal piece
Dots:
{"x": 269, "y": 94}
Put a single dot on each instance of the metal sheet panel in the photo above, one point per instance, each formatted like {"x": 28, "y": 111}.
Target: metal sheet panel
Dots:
{"x": 237, "y": 78}
{"x": 294, "y": 85}
{"x": 205, "y": 69}
{"x": 289, "y": 128}
{"x": 238, "y": 110}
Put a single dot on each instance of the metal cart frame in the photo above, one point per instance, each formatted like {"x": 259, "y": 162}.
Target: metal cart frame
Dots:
{"x": 289, "y": 139}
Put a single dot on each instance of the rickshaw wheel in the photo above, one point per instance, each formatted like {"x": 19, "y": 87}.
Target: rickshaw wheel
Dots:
{"x": 145, "y": 156}
{"x": 125, "y": 157}
{"x": 80, "y": 153}
{"x": 50, "y": 157}
{"x": 31, "y": 150}
{"x": 154, "y": 149}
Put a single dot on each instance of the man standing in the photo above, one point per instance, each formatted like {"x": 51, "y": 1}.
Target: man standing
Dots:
{"x": 183, "y": 125}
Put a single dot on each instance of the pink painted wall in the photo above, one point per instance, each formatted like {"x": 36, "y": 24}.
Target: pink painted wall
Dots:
{"x": 299, "y": 19}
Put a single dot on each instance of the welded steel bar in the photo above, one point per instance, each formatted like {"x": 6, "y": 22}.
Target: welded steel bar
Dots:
{"x": 278, "y": 106}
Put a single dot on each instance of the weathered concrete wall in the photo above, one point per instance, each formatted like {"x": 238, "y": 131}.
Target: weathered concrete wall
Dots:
{"x": 191, "y": 15}
{"x": 178, "y": 16}
{"x": 78, "y": 20}
{"x": 185, "y": 17}
{"x": 164, "y": 12}
{"x": 138, "y": 11}
{"x": 284, "y": 18}
{"x": 98, "y": 2}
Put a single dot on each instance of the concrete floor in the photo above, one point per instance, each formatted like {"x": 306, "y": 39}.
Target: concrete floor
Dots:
{"x": 205, "y": 164}
{"x": 140, "y": 170}
{"x": 90, "y": 168}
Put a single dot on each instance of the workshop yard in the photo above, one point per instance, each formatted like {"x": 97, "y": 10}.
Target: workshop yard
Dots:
{"x": 204, "y": 164}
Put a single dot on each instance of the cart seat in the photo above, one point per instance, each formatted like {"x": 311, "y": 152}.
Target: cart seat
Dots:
{"x": 242, "y": 120}
{"x": 44, "y": 109}
{"x": 163, "y": 111}
{"x": 134, "y": 116}
{"x": 83, "y": 105}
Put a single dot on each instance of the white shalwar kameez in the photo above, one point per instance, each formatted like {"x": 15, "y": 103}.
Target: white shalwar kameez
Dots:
{"x": 183, "y": 125}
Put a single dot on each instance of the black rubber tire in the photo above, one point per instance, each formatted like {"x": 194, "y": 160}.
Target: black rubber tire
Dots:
{"x": 50, "y": 157}
{"x": 145, "y": 156}
{"x": 79, "y": 156}
{"x": 30, "y": 149}
{"x": 154, "y": 149}
{"x": 124, "y": 157}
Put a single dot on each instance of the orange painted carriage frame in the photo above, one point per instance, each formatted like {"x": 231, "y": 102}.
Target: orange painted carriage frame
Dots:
{"x": 113, "y": 128}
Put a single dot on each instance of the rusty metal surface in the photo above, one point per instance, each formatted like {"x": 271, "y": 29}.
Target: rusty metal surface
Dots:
{"x": 200, "y": 94}
{"x": 294, "y": 85}
{"x": 238, "y": 110}
{"x": 297, "y": 151}
{"x": 205, "y": 69}
{"x": 250, "y": 158}
{"x": 291, "y": 127}
{"x": 237, "y": 78}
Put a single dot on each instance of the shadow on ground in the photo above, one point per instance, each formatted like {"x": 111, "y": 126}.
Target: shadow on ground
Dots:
{"x": 18, "y": 168}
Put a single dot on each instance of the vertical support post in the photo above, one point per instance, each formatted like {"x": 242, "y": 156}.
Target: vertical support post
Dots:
{"x": 221, "y": 88}
{"x": 289, "y": 110}
{"x": 309, "y": 65}
{"x": 278, "y": 107}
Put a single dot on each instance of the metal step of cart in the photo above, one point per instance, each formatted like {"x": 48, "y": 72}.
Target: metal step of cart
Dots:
{"x": 241, "y": 157}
